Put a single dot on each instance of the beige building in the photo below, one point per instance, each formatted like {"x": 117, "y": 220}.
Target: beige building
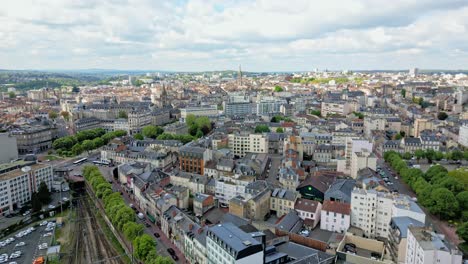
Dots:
{"x": 338, "y": 108}
{"x": 282, "y": 201}
{"x": 361, "y": 160}
{"x": 421, "y": 124}
{"x": 241, "y": 143}
{"x": 8, "y": 148}
{"x": 255, "y": 208}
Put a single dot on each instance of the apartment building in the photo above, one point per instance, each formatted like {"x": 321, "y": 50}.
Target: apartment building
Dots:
{"x": 226, "y": 243}
{"x": 210, "y": 111}
{"x": 421, "y": 124}
{"x": 34, "y": 138}
{"x": 17, "y": 185}
{"x": 361, "y": 160}
{"x": 463, "y": 136}
{"x": 335, "y": 108}
{"x": 243, "y": 142}
{"x": 282, "y": 201}
{"x": 269, "y": 105}
{"x": 193, "y": 159}
{"x": 372, "y": 211}
{"x": 335, "y": 216}
{"x": 309, "y": 211}
{"x": 228, "y": 188}
{"x": 424, "y": 246}
{"x": 237, "y": 105}
{"x": 398, "y": 237}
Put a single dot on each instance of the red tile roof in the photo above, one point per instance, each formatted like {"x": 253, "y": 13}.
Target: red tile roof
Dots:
{"x": 337, "y": 207}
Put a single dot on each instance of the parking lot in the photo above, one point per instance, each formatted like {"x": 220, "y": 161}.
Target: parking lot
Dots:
{"x": 30, "y": 248}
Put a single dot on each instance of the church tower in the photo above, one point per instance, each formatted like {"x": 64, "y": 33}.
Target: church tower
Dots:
{"x": 239, "y": 76}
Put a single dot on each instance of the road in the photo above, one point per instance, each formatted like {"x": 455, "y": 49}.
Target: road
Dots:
{"x": 275, "y": 164}
{"x": 439, "y": 226}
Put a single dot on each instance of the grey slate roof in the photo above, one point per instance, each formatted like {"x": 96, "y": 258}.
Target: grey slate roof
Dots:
{"x": 402, "y": 223}
{"x": 340, "y": 190}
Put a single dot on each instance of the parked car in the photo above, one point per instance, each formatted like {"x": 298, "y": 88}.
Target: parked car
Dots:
{"x": 156, "y": 235}
{"x": 171, "y": 251}
{"x": 174, "y": 257}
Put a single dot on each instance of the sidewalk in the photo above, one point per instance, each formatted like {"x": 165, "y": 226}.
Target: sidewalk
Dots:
{"x": 163, "y": 239}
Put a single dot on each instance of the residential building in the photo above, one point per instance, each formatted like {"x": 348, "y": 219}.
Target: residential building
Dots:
{"x": 34, "y": 138}
{"x": 340, "y": 190}
{"x": 398, "y": 235}
{"x": 269, "y": 105}
{"x": 202, "y": 203}
{"x": 309, "y": 211}
{"x": 315, "y": 186}
{"x": 241, "y": 143}
{"x": 193, "y": 159}
{"x": 361, "y": 160}
{"x": 237, "y": 105}
{"x": 335, "y": 216}
{"x": 282, "y": 201}
{"x": 463, "y": 136}
{"x": 421, "y": 124}
{"x": 210, "y": 111}
{"x": 226, "y": 243}
{"x": 335, "y": 108}
{"x": 19, "y": 183}
{"x": 424, "y": 246}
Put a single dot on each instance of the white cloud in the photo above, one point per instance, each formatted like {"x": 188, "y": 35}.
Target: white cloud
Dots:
{"x": 262, "y": 34}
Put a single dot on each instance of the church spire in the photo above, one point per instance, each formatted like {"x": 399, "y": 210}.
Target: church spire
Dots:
{"x": 239, "y": 75}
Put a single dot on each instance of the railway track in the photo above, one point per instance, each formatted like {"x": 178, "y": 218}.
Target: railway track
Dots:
{"x": 90, "y": 243}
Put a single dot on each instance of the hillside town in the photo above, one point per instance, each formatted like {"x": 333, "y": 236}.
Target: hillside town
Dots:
{"x": 239, "y": 167}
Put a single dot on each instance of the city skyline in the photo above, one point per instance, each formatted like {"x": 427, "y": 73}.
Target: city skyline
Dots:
{"x": 263, "y": 36}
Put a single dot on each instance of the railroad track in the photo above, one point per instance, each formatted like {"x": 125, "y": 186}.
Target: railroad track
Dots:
{"x": 90, "y": 243}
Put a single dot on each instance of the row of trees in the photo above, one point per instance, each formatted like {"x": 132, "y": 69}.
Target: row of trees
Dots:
{"x": 444, "y": 193}
{"x": 41, "y": 197}
{"x": 279, "y": 118}
{"x": 123, "y": 218}
{"x": 431, "y": 155}
{"x": 85, "y": 141}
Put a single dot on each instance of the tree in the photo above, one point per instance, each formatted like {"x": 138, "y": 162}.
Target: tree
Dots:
{"x": 434, "y": 170}
{"x": 43, "y": 193}
{"x": 462, "y": 199}
{"x": 442, "y": 116}
{"x": 88, "y": 145}
{"x": 359, "y": 115}
{"x": 419, "y": 153}
{"x": 461, "y": 175}
{"x": 451, "y": 184}
{"x": 445, "y": 204}
{"x": 462, "y": 231}
{"x": 123, "y": 114}
{"x": 316, "y": 113}
{"x": 143, "y": 245}
{"x": 457, "y": 155}
{"x": 131, "y": 230}
{"x": 53, "y": 115}
{"x": 438, "y": 155}
{"x": 138, "y": 136}
{"x": 11, "y": 95}
{"x": 407, "y": 156}
{"x": 403, "y": 93}
{"x": 75, "y": 89}
{"x": 35, "y": 202}
{"x": 278, "y": 89}
{"x": 77, "y": 149}
{"x": 152, "y": 131}
{"x": 190, "y": 119}
{"x": 65, "y": 115}
{"x": 262, "y": 129}
{"x": 279, "y": 130}
{"x": 398, "y": 137}
{"x": 98, "y": 142}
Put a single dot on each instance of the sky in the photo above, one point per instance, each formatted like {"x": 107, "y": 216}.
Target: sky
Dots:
{"x": 260, "y": 35}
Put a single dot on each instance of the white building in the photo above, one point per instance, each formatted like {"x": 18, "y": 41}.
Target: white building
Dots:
{"x": 463, "y": 135}
{"x": 335, "y": 108}
{"x": 269, "y": 105}
{"x": 423, "y": 246}
{"x": 372, "y": 211}
{"x": 354, "y": 145}
{"x": 17, "y": 186}
{"x": 228, "y": 188}
{"x": 361, "y": 160}
{"x": 226, "y": 243}
{"x": 335, "y": 216}
{"x": 201, "y": 110}
{"x": 241, "y": 143}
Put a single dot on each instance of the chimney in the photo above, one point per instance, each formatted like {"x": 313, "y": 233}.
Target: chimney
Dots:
{"x": 203, "y": 223}
{"x": 174, "y": 213}
{"x": 190, "y": 227}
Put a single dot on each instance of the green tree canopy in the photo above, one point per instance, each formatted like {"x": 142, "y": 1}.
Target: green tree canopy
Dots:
{"x": 143, "y": 245}
{"x": 279, "y": 130}
{"x": 88, "y": 145}
{"x": 131, "y": 230}
{"x": 53, "y": 114}
{"x": 462, "y": 199}
{"x": 123, "y": 114}
{"x": 152, "y": 131}
{"x": 138, "y": 136}
{"x": 462, "y": 231}
{"x": 43, "y": 193}
{"x": 445, "y": 204}
{"x": 35, "y": 202}
{"x": 442, "y": 116}
{"x": 262, "y": 129}
{"x": 11, "y": 95}
{"x": 278, "y": 89}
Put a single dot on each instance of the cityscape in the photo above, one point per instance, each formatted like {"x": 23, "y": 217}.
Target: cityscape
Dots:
{"x": 222, "y": 132}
